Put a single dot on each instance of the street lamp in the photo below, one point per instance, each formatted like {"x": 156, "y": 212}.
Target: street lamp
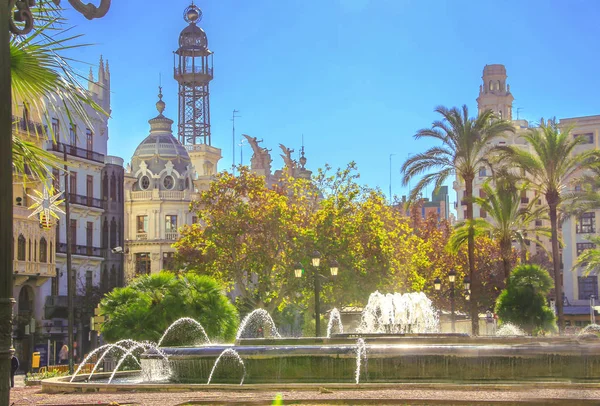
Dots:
{"x": 592, "y": 312}
{"x": 437, "y": 283}
{"x": 316, "y": 262}
{"x": 48, "y": 327}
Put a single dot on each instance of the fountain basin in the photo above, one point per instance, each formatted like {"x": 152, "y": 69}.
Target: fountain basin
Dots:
{"x": 409, "y": 358}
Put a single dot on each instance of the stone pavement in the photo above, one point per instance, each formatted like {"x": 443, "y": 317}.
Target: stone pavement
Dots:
{"x": 461, "y": 396}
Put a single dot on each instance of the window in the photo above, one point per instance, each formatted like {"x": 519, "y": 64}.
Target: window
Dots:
{"x": 104, "y": 279}
{"x": 55, "y": 129}
{"x": 113, "y": 233}
{"x": 73, "y": 135}
{"x": 113, "y": 187}
{"x": 105, "y": 187}
{"x": 144, "y": 182}
{"x": 89, "y": 188}
{"x": 169, "y": 182}
{"x": 50, "y": 253}
{"x": 170, "y": 224}
{"x": 582, "y": 246}
{"x": 586, "y": 223}
{"x": 142, "y": 263}
{"x": 89, "y": 280}
{"x": 588, "y": 138}
{"x": 73, "y": 182}
{"x": 43, "y": 250}
{"x": 90, "y": 139}
{"x": 105, "y": 234}
{"x": 538, "y": 223}
{"x": 482, "y": 171}
{"x": 194, "y": 219}
{"x": 73, "y": 234}
{"x": 21, "y": 248}
{"x": 142, "y": 224}
{"x": 482, "y": 213}
{"x": 89, "y": 235}
{"x": 168, "y": 260}
{"x": 587, "y": 286}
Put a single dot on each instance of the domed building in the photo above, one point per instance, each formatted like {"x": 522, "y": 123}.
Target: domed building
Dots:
{"x": 158, "y": 189}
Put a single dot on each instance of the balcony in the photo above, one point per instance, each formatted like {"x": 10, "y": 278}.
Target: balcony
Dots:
{"x": 80, "y": 250}
{"x": 171, "y": 236}
{"x": 78, "y": 152}
{"x": 85, "y": 201}
{"x": 195, "y": 70}
{"x": 34, "y": 268}
{"x": 28, "y": 126}
{"x": 141, "y": 236}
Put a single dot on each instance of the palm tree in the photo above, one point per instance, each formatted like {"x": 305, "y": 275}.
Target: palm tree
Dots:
{"x": 464, "y": 150}
{"x": 551, "y": 165}
{"x": 507, "y": 222}
{"x": 44, "y": 80}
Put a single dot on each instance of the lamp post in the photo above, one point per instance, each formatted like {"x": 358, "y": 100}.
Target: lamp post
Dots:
{"x": 316, "y": 262}
{"x": 437, "y": 283}
{"x": 48, "y": 327}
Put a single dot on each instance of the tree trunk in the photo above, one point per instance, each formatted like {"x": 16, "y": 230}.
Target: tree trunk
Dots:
{"x": 552, "y": 203}
{"x": 471, "y": 255}
{"x": 506, "y": 249}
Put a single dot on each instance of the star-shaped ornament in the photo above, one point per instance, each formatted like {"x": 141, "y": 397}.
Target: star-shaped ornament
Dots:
{"x": 46, "y": 205}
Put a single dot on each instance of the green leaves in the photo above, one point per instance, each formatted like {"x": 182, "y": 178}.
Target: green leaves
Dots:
{"x": 145, "y": 308}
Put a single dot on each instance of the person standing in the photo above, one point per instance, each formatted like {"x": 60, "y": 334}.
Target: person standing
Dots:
{"x": 75, "y": 352}
{"x": 63, "y": 355}
{"x": 14, "y": 365}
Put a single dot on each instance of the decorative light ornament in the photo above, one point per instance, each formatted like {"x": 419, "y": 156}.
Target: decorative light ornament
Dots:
{"x": 46, "y": 205}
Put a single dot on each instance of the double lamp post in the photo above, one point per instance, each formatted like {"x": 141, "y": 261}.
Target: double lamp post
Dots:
{"x": 437, "y": 283}
{"x": 316, "y": 263}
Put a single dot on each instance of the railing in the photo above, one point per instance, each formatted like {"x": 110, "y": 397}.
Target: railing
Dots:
{"x": 113, "y": 160}
{"x": 29, "y": 126}
{"x": 31, "y": 268}
{"x": 78, "y": 152}
{"x": 171, "y": 236}
{"x": 172, "y": 194}
{"x": 85, "y": 201}
{"x": 57, "y": 301}
{"x": 142, "y": 195}
{"x": 141, "y": 236}
{"x": 80, "y": 250}
{"x": 193, "y": 69}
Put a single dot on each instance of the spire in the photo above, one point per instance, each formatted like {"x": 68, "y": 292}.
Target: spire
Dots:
{"x": 107, "y": 69}
{"x": 101, "y": 70}
{"x": 302, "y": 157}
{"x": 160, "y": 104}
{"x": 91, "y": 76}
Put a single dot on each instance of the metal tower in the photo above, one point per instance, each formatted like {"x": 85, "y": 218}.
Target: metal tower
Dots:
{"x": 193, "y": 71}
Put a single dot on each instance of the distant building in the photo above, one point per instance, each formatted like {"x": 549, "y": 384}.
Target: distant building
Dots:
{"x": 439, "y": 205}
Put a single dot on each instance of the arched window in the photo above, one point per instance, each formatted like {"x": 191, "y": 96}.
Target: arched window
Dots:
{"x": 119, "y": 189}
{"x": 120, "y": 234}
{"x": 498, "y": 85}
{"x": 113, "y": 277}
{"x": 43, "y": 250}
{"x": 29, "y": 257}
{"x": 34, "y": 250}
{"x": 113, "y": 233}
{"x": 21, "y": 248}
{"x": 105, "y": 187}
{"x": 105, "y": 234}
{"x": 50, "y": 255}
{"x": 491, "y": 85}
{"x": 113, "y": 187}
{"x": 105, "y": 279}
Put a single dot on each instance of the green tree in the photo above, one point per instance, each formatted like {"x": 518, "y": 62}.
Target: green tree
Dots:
{"x": 506, "y": 220}
{"x": 589, "y": 259}
{"x": 523, "y": 302}
{"x": 551, "y": 165}
{"x": 146, "y": 307}
{"x": 466, "y": 144}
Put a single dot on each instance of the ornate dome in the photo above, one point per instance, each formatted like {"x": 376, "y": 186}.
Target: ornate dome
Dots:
{"x": 160, "y": 161}
{"x": 193, "y": 38}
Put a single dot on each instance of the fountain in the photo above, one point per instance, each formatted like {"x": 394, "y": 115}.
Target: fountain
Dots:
{"x": 335, "y": 319}
{"x": 509, "y": 329}
{"x": 397, "y": 341}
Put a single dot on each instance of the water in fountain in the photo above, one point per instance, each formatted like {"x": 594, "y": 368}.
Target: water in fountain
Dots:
{"x": 508, "y": 329}
{"x": 335, "y": 320}
{"x": 129, "y": 352}
{"x": 361, "y": 353}
{"x": 257, "y": 319}
{"x": 107, "y": 348}
{"x": 185, "y": 321}
{"x": 116, "y": 346}
{"x": 399, "y": 313}
{"x": 235, "y": 356}
{"x": 590, "y": 329}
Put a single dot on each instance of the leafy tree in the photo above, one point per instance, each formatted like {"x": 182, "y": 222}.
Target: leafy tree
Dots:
{"x": 551, "y": 166}
{"x": 507, "y": 222}
{"x": 146, "y": 307}
{"x": 251, "y": 235}
{"x": 523, "y": 302}
{"x": 464, "y": 150}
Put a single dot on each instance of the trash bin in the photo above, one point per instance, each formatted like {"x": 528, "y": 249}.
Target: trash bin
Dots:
{"x": 35, "y": 360}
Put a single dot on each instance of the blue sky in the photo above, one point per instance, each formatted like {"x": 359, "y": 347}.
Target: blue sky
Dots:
{"x": 356, "y": 77}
